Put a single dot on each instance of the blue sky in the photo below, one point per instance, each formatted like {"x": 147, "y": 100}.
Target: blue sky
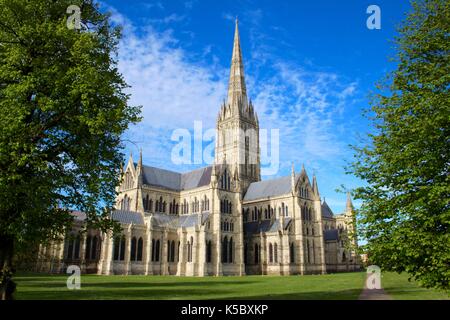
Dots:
{"x": 310, "y": 66}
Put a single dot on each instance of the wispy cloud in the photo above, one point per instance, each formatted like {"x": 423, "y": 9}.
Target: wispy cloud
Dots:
{"x": 306, "y": 105}
{"x": 173, "y": 91}
{"x": 168, "y": 19}
{"x": 152, "y": 5}
{"x": 177, "y": 87}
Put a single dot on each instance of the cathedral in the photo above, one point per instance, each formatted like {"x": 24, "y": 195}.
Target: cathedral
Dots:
{"x": 217, "y": 220}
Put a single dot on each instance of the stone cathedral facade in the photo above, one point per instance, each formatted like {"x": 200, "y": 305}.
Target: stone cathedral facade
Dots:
{"x": 217, "y": 220}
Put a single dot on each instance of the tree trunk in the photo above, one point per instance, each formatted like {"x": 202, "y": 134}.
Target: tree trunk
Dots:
{"x": 7, "y": 285}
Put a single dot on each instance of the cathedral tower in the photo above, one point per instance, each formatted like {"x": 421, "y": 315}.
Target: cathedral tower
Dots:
{"x": 237, "y": 143}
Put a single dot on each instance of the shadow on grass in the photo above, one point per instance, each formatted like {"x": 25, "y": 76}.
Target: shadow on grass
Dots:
{"x": 191, "y": 294}
{"x": 149, "y": 294}
{"x": 414, "y": 293}
{"x": 125, "y": 284}
{"x": 351, "y": 294}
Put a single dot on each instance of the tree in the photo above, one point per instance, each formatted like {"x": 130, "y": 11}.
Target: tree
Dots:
{"x": 405, "y": 216}
{"x": 62, "y": 113}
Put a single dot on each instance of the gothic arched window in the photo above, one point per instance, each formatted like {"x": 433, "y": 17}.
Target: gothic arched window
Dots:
{"x": 70, "y": 243}
{"x": 190, "y": 252}
{"x": 133, "y": 249}
{"x": 256, "y": 253}
{"x": 270, "y": 253}
{"x": 308, "y": 251}
{"x": 94, "y": 248}
{"x": 116, "y": 248}
{"x": 122, "y": 249}
{"x": 225, "y": 250}
{"x": 153, "y": 249}
{"x": 76, "y": 254}
{"x": 208, "y": 251}
{"x": 146, "y": 203}
{"x": 157, "y": 250}
{"x": 119, "y": 248}
{"x": 87, "y": 253}
{"x": 139, "y": 249}
{"x": 291, "y": 253}
{"x": 275, "y": 252}
{"x": 172, "y": 251}
{"x": 168, "y": 250}
{"x": 230, "y": 252}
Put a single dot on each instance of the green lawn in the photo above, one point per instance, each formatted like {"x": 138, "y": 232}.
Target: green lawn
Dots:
{"x": 332, "y": 286}
{"x": 398, "y": 286}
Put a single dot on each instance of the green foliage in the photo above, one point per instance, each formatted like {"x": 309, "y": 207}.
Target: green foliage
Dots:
{"x": 63, "y": 110}
{"x": 405, "y": 215}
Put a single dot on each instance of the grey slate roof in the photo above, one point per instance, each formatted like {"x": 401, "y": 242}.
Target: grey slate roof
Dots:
{"x": 269, "y": 188}
{"x": 175, "y": 222}
{"x": 264, "y": 226}
{"x": 326, "y": 211}
{"x": 127, "y": 216}
{"x": 331, "y": 235}
{"x": 196, "y": 178}
{"x": 118, "y": 215}
{"x": 174, "y": 180}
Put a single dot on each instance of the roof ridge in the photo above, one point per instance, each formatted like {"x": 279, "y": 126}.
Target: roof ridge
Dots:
{"x": 172, "y": 171}
{"x": 198, "y": 169}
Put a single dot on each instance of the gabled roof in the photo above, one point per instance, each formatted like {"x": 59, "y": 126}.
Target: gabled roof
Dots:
{"x": 326, "y": 211}
{"x": 269, "y": 188}
{"x": 124, "y": 216}
{"x": 174, "y": 180}
{"x": 196, "y": 178}
{"x": 255, "y": 227}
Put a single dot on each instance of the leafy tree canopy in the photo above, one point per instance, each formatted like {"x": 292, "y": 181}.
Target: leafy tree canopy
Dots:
{"x": 63, "y": 110}
{"x": 405, "y": 215}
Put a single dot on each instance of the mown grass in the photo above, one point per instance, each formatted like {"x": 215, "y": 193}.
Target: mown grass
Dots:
{"x": 342, "y": 286}
{"x": 398, "y": 286}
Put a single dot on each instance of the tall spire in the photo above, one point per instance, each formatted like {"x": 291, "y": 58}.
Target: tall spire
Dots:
{"x": 237, "y": 93}
{"x": 349, "y": 204}
{"x": 292, "y": 177}
{"x": 140, "y": 157}
{"x": 140, "y": 169}
{"x": 314, "y": 186}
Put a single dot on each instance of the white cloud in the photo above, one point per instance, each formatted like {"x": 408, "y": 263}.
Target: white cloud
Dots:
{"x": 305, "y": 106}
{"x": 176, "y": 88}
{"x": 175, "y": 91}
{"x": 169, "y": 19}
{"x": 157, "y": 5}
